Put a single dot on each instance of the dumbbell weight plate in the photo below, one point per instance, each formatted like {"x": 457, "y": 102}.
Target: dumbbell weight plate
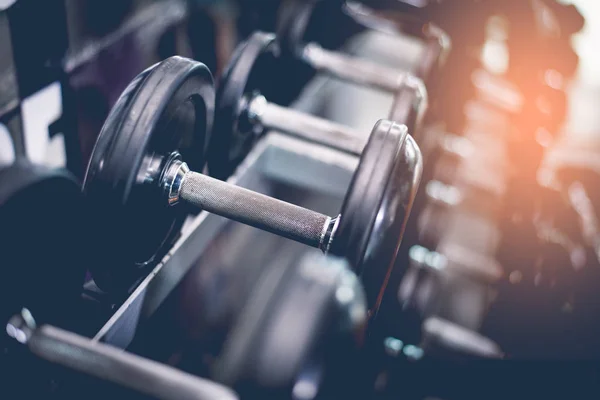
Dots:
{"x": 377, "y": 203}
{"x": 175, "y": 97}
{"x": 292, "y": 21}
{"x": 41, "y": 240}
{"x": 231, "y": 142}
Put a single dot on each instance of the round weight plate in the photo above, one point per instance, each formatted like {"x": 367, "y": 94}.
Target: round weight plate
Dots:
{"x": 304, "y": 295}
{"x": 41, "y": 241}
{"x": 248, "y": 70}
{"x": 377, "y": 205}
{"x": 292, "y": 21}
{"x": 167, "y": 108}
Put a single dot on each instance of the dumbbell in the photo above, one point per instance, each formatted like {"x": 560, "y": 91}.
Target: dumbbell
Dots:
{"x": 109, "y": 364}
{"x": 409, "y": 90}
{"x": 427, "y": 267}
{"x": 327, "y": 305}
{"x": 473, "y": 190}
{"x": 425, "y": 287}
{"x": 397, "y": 19}
{"x": 242, "y": 114}
{"x": 136, "y": 179}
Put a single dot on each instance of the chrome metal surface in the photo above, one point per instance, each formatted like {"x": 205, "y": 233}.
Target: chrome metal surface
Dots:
{"x": 330, "y": 233}
{"x": 173, "y": 180}
{"x": 21, "y": 326}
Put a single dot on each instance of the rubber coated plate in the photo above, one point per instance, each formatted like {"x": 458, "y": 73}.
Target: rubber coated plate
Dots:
{"x": 377, "y": 205}
{"x": 296, "y": 25}
{"x": 292, "y": 21}
{"x": 167, "y": 108}
{"x": 41, "y": 241}
{"x": 250, "y": 68}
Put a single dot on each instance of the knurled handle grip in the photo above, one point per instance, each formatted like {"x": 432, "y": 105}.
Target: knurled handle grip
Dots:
{"x": 255, "y": 209}
{"x": 125, "y": 369}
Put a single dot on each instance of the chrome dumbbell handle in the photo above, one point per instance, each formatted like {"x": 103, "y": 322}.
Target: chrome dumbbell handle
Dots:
{"x": 251, "y": 208}
{"x": 111, "y": 364}
{"x": 353, "y": 69}
{"x": 305, "y": 126}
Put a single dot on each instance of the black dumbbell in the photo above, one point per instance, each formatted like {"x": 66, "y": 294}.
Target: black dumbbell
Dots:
{"x": 325, "y": 302}
{"x": 136, "y": 177}
{"x": 423, "y": 290}
{"x": 405, "y": 86}
{"x": 109, "y": 364}
{"x": 295, "y": 17}
{"x": 242, "y": 114}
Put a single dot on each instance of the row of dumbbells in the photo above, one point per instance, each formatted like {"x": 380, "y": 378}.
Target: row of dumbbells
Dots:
{"x": 486, "y": 188}
{"x": 139, "y": 186}
{"x": 539, "y": 252}
{"x": 517, "y": 124}
{"x": 165, "y": 116}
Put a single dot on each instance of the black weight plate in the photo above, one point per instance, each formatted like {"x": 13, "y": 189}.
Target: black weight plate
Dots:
{"x": 259, "y": 351}
{"x": 41, "y": 241}
{"x": 377, "y": 205}
{"x": 249, "y": 69}
{"x": 232, "y": 365}
{"x": 167, "y": 108}
{"x": 292, "y": 21}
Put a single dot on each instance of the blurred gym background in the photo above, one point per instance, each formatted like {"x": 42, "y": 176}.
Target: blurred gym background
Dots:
{"x": 43, "y": 105}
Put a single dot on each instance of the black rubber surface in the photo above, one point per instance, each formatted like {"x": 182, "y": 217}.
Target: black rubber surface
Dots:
{"x": 292, "y": 22}
{"x": 234, "y": 366}
{"x": 289, "y": 323}
{"x": 377, "y": 205}
{"x": 166, "y": 108}
{"x": 42, "y": 241}
{"x": 248, "y": 70}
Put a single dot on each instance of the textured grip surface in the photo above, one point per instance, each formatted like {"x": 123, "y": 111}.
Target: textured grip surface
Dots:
{"x": 254, "y": 209}
{"x": 125, "y": 369}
